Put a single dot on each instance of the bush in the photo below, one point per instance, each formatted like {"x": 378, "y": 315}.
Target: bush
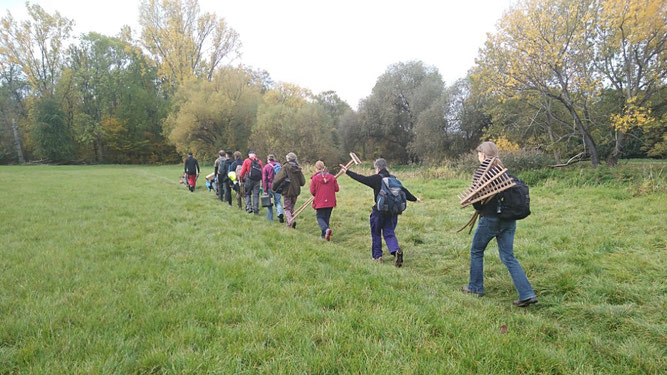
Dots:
{"x": 515, "y": 161}
{"x": 639, "y": 178}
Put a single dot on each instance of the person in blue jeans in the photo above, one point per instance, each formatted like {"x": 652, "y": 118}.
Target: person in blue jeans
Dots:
{"x": 268, "y": 174}
{"x": 491, "y": 226}
{"x": 381, "y": 225}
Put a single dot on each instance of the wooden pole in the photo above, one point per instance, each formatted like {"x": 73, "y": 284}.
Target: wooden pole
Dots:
{"x": 355, "y": 160}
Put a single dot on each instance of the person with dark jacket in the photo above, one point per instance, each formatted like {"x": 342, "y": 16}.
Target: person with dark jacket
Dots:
{"x": 490, "y": 226}
{"x": 292, "y": 171}
{"x": 251, "y": 174}
{"x": 381, "y": 225}
{"x": 191, "y": 167}
{"x": 219, "y": 173}
{"x": 226, "y": 182}
{"x": 323, "y": 187}
{"x": 238, "y": 186}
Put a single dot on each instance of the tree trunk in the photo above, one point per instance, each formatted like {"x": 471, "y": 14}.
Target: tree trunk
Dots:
{"x": 98, "y": 145}
{"x": 17, "y": 142}
{"x": 551, "y": 133}
{"x": 612, "y": 159}
{"x": 588, "y": 141}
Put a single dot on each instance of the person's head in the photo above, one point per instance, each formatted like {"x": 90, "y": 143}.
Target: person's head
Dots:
{"x": 190, "y": 153}
{"x": 230, "y": 154}
{"x": 237, "y": 155}
{"x": 487, "y": 150}
{"x": 380, "y": 164}
{"x": 271, "y": 158}
{"x": 221, "y": 152}
{"x": 319, "y": 166}
{"x": 251, "y": 154}
{"x": 291, "y": 157}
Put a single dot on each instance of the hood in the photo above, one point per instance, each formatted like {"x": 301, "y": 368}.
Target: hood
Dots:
{"x": 325, "y": 176}
{"x": 293, "y": 166}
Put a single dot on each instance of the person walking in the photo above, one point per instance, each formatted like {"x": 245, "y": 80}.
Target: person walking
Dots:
{"x": 251, "y": 174}
{"x": 323, "y": 187}
{"x": 219, "y": 173}
{"x": 268, "y": 175}
{"x": 291, "y": 171}
{"x": 226, "y": 181}
{"x": 238, "y": 185}
{"x": 191, "y": 168}
{"x": 492, "y": 226}
{"x": 382, "y": 225}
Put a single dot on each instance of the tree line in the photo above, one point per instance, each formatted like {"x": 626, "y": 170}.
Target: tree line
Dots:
{"x": 560, "y": 76}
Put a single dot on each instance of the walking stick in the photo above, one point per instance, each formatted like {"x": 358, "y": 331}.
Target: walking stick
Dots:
{"x": 355, "y": 160}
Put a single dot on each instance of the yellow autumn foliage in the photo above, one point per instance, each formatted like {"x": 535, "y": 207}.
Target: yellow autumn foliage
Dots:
{"x": 505, "y": 144}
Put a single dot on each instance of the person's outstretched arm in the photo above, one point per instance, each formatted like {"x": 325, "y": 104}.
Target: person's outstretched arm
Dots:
{"x": 410, "y": 197}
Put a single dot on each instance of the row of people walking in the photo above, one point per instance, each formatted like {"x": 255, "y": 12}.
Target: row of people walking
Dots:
{"x": 284, "y": 182}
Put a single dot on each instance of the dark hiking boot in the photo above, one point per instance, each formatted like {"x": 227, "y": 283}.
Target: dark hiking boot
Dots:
{"x": 281, "y": 218}
{"x": 525, "y": 302}
{"x": 399, "y": 258}
{"x": 466, "y": 290}
{"x": 379, "y": 260}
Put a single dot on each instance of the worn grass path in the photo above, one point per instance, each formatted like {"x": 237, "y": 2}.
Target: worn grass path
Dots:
{"x": 118, "y": 269}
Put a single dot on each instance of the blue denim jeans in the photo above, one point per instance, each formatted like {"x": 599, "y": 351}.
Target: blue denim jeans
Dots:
{"x": 503, "y": 230}
{"x": 277, "y": 201}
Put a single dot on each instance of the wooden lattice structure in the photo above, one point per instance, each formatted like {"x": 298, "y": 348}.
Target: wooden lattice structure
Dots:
{"x": 489, "y": 179}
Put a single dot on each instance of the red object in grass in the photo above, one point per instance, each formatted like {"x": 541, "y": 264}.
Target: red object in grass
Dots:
{"x": 503, "y": 328}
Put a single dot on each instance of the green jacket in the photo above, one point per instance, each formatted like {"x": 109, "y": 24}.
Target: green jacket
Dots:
{"x": 292, "y": 171}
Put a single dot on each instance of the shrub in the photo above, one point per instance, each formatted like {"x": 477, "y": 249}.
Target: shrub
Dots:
{"x": 515, "y": 161}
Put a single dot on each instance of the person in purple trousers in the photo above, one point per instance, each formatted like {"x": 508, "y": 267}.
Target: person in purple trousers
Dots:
{"x": 382, "y": 225}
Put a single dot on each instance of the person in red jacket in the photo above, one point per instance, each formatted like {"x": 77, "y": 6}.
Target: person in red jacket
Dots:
{"x": 323, "y": 186}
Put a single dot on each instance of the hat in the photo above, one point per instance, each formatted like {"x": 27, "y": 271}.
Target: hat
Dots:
{"x": 251, "y": 152}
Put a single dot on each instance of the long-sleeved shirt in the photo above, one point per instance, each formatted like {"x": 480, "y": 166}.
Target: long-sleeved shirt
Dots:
{"x": 245, "y": 169}
{"x": 191, "y": 166}
{"x": 268, "y": 173}
{"x": 375, "y": 182}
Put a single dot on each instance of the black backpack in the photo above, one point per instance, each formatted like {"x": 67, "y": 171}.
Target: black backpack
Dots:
{"x": 255, "y": 170}
{"x": 514, "y": 203}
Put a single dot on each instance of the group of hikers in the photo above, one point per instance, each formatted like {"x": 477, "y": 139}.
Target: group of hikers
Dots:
{"x": 281, "y": 184}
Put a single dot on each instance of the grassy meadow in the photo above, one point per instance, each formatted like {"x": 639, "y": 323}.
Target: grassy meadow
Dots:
{"x": 119, "y": 269}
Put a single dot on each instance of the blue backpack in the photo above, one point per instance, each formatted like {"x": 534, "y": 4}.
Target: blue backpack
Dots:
{"x": 276, "y": 168}
{"x": 391, "y": 200}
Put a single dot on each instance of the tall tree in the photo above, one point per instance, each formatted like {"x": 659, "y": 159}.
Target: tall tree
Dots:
{"x": 13, "y": 91}
{"x": 210, "y": 115}
{"x": 546, "y": 47}
{"x": 390, "y": 113}
{"x": 630, "y": 54}
{"x": 36, "y": 45}
{"x": 53, "y": 139}
{"x": 186, "y": 42}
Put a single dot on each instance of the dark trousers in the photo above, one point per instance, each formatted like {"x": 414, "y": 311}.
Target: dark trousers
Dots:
{"x": 252, "y": 195}
{"x": 219, "y": 189}
{"x": 323, "y": 216}
{"x": 383, "y": 226}
{"x": 227, "y": 192}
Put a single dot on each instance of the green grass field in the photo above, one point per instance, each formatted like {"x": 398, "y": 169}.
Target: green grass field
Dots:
{"x": 118, "y": 269}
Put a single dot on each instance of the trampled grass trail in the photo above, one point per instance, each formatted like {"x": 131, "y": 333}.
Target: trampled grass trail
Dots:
{"x": 119, "y": 269}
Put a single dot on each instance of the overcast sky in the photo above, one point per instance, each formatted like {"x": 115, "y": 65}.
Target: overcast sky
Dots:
{"x": 340, "y": 45}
